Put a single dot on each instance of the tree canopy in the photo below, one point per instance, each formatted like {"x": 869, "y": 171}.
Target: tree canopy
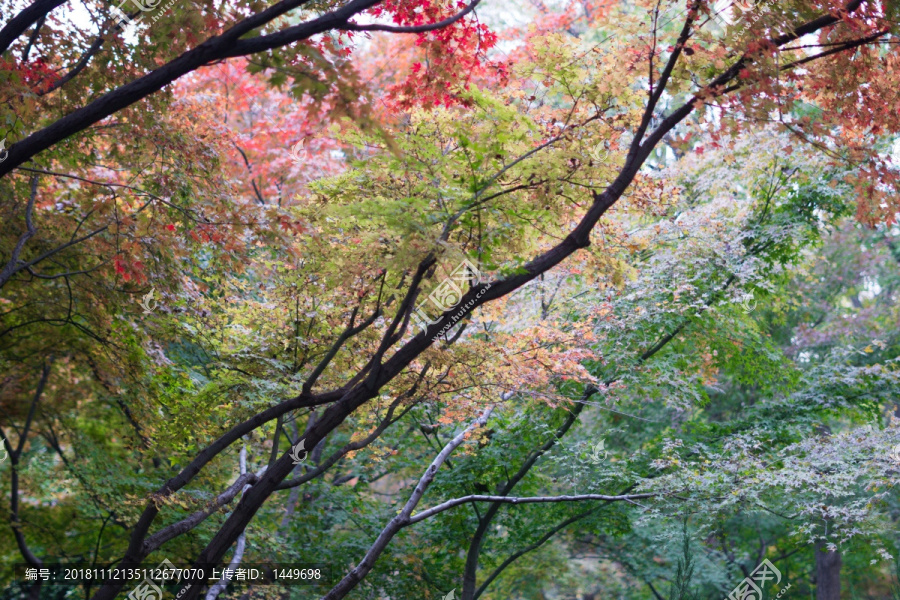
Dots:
{"x": 420, "y": 299}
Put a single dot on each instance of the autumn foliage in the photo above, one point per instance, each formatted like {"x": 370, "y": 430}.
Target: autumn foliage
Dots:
{"x": 238, "y": 227}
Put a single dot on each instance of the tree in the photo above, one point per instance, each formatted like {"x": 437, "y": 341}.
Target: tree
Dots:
{"x": 500, "y": 175}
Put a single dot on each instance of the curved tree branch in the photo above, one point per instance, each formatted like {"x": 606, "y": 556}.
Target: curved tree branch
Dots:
{"x": 15, "y": 455}
{"x": 526, "y": 500}
{"x": 25, "y": 19}
{"x": 78, "y": 68}
{"x": 215, "y": 48}
{"x": 414, "y": 28}
{"x": 10, "y": 268}
{"x": 352, "y": 397}
{"x": 531, "y": 547}
{"x": 357, "y": 574}
{"x": 172, "y": 531}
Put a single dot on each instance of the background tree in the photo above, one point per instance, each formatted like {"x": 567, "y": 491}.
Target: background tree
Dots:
{"x": 284, "y": 298}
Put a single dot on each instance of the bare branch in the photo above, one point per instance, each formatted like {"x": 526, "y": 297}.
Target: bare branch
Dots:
{"x": 220, "y": 585}
{"x": 25, "y": 19}
{"x": 78, "y": 68}
{"x": 416, "y": 28}
{"x": 12, "y": 266}
{"x": 404, "y": 518}
{"x": 525, "y": 500}
{"x": 161, "y": 537}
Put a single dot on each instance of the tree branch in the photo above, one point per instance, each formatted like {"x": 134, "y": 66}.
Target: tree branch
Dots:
{"x": 348, "y": 333}
{"x": 415, "y": 28}
{"x": 357, "y": 445}
{"x": 220, "y": 585}
{"x": 529, "y": 548}
{"x": 14, "y": 455}
{"x": 172, "y": 531}
{"x": 25, "y": 19}
{"x": 217, "y": 47}
{"x": 10, "y": 268}
{"x": 351, "y": 398}
{"x": 78, "y": 68}
{"x": 525, "y": 500}
{"x": 351, "y": 579}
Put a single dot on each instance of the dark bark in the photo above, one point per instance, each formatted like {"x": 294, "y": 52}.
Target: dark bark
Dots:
{"x": 15, "y": 454}
{"x": 227, "y": 45}
{"x": 368, "y": 383}
{"x": 828, "y": 573}
{"x": 138, "y": 549}
{"x": 484, "y": 522}
{"x": 25, "y": 19}
{"x": 381, "y": 374}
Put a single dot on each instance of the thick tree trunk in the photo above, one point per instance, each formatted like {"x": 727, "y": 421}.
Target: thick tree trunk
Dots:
{"x": 828, "y": 573}
{"x": 471, "y": 570}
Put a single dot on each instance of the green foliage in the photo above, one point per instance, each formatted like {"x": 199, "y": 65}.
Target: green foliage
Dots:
{"x": 684, "y": 572}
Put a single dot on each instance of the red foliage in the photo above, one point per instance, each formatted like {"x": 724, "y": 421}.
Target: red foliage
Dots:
{"x": 37, "y": 74}
{"x": 129, "y": 269}
{"x": 444, "y": 60}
